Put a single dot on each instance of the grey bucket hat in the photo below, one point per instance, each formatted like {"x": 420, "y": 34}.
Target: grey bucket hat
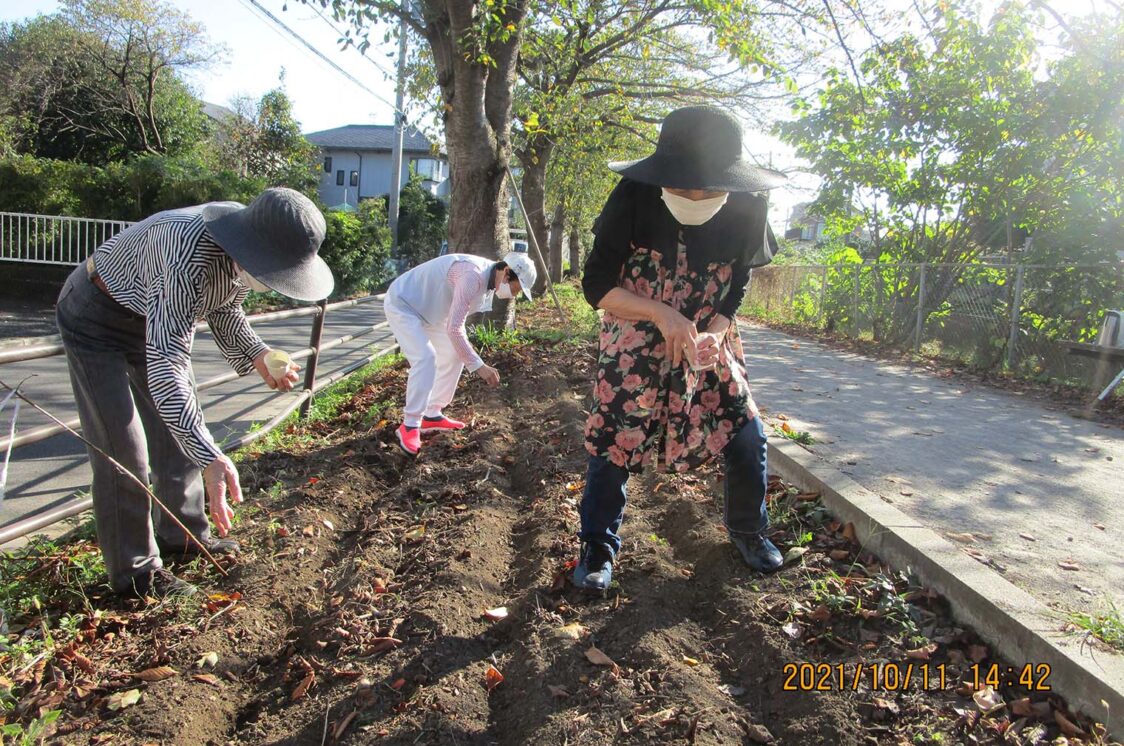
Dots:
{"x": 700, "y": 147}
{"x": 275, "y": 239}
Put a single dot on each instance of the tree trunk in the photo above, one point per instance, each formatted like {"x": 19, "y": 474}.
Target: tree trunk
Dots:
{"x": 477, "y": 99}
{"x": 534, "y": 158}
{"x": 557, "y": 232}
{"x": 575, "y": 252}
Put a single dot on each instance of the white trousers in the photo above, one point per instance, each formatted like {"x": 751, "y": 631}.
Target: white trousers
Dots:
{"x": 435, "y": 368}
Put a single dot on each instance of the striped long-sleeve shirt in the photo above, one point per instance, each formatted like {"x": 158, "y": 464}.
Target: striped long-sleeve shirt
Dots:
{"x": 168, "y": 269}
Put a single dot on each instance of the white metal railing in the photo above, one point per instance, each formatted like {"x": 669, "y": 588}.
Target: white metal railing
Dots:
{"x": 53, "y": 239}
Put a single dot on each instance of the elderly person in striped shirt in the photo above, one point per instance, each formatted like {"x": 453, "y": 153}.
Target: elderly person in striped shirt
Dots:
{"x": 127, "y": 319}
{"x": 427, "y": 308}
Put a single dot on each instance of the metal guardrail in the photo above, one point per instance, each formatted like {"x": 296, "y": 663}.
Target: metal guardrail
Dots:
{"x": 53, "y": 239}
{"x": 302, "y": 401}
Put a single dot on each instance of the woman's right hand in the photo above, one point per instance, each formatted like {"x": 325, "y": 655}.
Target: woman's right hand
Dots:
{"x": 679, "y": 333}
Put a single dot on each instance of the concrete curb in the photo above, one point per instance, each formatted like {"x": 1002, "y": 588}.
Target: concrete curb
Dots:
{"x": 1017, "y": 626}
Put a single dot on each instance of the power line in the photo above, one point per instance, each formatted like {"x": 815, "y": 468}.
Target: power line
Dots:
{"x": 336, "y": 28}
{"x": 281, "y": 24}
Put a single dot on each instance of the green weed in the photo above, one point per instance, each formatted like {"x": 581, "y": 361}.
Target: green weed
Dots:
{"x": 1108, "y": 626}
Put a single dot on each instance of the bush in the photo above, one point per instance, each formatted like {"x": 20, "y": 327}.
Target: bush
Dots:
{"x": 421, "y": 224}
{"x": 357, "y": 246}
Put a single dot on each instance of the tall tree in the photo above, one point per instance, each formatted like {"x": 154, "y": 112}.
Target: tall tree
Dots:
{"x": 474, "y": 48}
{"x": 262, "y": 139}
{"x": 946, "y": 139}
{"x": 100, "y": 79}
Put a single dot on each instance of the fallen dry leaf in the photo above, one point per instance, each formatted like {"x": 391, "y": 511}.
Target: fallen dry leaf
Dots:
{"x": 794, "y": 553}
{"x": 793, "y": 630}
{"x": 849, "y": 531}
{"x": 121, "y": 700}
{"x": 839, "y": 555}
{"x": 962, "y": 538}
{"x": 496, "y": 614}
{"x": 328, "y": 525}
{"x": 922, "y": 653}
{"x": 557, "y": 692}
{"x": 1022, "y": 708}
{"x": 398, "y": 683}
{"x": 304, "y": 686}
{"x": 414, "y": 535}
{"x": 572, "y": 631}
{"x": 159, "y": 673}
{"x": 1068, "y": 727}
{"x": 988, "y": 700}
{"x": 977, "y": 652}
{"x": 492, "y": 677}
{"x": 598, "y": 658}
{"x": 207, "y": 660}
{"x": 1028, "y": 537}
{"x": 1099, "y": 526}
{"x": 207, "y": 678}
{"x": 820, "y": 614}
{"x": 690, "y": 661}
{"x": 1069, "y": 565}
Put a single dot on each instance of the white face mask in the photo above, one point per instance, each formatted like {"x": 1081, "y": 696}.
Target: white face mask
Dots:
{"x": 693, "y": 211}
{"x": 503, "y": 292}
{"x": 248, "y": 280}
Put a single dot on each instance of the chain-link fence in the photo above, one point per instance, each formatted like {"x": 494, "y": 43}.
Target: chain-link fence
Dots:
{"x": 1021, "y": 318}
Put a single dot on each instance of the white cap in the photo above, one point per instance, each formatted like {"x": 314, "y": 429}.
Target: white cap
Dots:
{"x": 523, "y": 268}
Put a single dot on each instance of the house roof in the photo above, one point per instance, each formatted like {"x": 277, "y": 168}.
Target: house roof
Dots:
{"x": 218, "y": 112}
{"x": 370, "y": 137}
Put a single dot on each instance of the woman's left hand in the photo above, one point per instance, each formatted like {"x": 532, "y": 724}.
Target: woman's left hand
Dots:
{"x": 709, "y": 345}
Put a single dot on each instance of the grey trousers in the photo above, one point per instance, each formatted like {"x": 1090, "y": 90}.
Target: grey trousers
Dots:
{"x": 105, "y": 348}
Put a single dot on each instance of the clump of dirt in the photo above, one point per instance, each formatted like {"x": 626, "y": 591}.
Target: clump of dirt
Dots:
{"x": 386, "y": 599}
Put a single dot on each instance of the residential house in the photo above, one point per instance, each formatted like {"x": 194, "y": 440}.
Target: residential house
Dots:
{"x": 804, "y": 226}
{"x": 356, "y": 162}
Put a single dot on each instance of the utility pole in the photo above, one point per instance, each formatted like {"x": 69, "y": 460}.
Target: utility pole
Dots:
{"x": 399, "y": 132}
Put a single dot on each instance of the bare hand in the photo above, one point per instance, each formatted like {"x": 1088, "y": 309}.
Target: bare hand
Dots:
{"x": 219, "y": 477}
{"x": 679, "y": 333}
{"x": 489, "y": 375}
{"x": 709, "y": 347}
{"x": 285, "y": 383}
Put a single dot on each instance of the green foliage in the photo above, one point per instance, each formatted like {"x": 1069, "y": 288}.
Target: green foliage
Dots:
{"x": 35, "y": 732}
{"x": 263, "y": 140}
{"x": 356, "y": 247}
{"x": 1107, "y": 626}
{"x": 124, "y": 190}
{"x": 100, "y": 80}
{"x": 949, "y": 139}
{"x": 422, "y": 223}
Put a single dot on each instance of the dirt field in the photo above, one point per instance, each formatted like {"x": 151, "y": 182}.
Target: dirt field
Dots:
{"x": 356, "y": 613}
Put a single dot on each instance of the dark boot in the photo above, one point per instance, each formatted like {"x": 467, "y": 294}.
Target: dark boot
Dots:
{"x": 758, "y": 552}
{"x": 595, "y": 567}
{"x": 161, "y": 584}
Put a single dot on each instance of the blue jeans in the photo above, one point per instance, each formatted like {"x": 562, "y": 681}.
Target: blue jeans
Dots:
{"x": 746, "y": 482}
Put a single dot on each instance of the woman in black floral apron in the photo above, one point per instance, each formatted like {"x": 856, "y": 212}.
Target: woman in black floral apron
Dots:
{"x": 669, "y": 267}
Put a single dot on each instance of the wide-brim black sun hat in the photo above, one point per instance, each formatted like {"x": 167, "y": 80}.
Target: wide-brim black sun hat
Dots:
{"x": 275, "y": 239}
{"x": 700, "y": 147}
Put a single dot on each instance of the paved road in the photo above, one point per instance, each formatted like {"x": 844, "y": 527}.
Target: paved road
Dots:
{"x": 45, "y": 474}
{"x": 962, "y": 459}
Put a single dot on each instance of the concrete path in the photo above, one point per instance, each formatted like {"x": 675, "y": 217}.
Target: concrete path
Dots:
{"x": 1033, "y": 487}
{"x": 47, "y": 473}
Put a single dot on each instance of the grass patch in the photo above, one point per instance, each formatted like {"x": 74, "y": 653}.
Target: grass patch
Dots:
{"x": 1108, "y": 626}
{"x": 326, "y": 405}
{"x": 803, "y": 437}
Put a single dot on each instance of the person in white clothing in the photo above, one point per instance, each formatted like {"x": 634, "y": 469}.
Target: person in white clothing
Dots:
{"x": 427, "y": 308}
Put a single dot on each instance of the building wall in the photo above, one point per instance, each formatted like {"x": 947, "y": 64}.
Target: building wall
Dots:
{"x": 373, "y": 170}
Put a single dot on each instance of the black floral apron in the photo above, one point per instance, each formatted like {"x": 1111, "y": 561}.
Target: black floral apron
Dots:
{"x": 645, "y": 413}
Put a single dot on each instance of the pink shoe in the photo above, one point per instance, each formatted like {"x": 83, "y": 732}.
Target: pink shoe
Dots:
{"x": 409, "y": 438}
{"x": 441, "y": 422}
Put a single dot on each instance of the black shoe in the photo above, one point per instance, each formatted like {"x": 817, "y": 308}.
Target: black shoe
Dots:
{"x": 161, "y": 584}
{"x": 594, "y": 571}
{"x": 758, "y": 552}
{"x": 214, "y": 546}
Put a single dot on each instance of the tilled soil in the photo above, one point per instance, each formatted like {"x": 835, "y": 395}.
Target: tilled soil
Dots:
{"x": 356, "y": 613}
